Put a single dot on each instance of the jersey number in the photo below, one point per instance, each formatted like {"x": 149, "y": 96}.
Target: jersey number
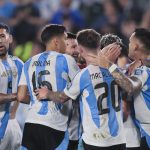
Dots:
{"x": 44, "y": 108}
{"x": 115, "y": 97}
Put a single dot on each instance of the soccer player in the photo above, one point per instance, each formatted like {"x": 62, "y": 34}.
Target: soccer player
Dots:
{"x": 72, "y": 49}
{"x": 138, "y": 84}
{"x": 72, "y": 45}
{"x": 74, "y": 123}
{"x": 131, "y": 131}
{"x": 100, "y": 99}
{"x": 46, "y": 122}
{"x": 10, "y": 72}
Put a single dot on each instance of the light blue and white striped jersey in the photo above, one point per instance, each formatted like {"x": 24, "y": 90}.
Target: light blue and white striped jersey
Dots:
{"x": 100, "y": 106}
{"x": 142, "y": 102}
{"x": 53, "y": 70}
{"x": 10, "y": 72}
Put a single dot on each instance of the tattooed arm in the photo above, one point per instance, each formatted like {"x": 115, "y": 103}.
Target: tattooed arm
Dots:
{"x": 129, "y": 84}
{"x": 5, "y": 98}
{"x": 44, "y": 93}
{"x": 107, "y": 57}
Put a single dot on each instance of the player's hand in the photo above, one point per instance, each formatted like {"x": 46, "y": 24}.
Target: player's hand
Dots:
{"x": 106, "y": 56}
{"x": 42, "y": 93}
{"x": 111, "y": 52}
{"x": 13, "y": 96}
{"x": 133, "y": 66}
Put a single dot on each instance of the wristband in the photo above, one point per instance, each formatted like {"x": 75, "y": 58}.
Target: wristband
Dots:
{"x": 112, "y": 68}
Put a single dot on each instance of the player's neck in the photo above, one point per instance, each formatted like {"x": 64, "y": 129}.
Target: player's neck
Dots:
{"x": 3, "y": 57}
{"x": 88, "y": 53}
{"x": 51, "y": 48}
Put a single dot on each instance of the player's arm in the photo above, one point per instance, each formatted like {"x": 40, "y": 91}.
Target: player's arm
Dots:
{"x": 106, "y": 59}
{"x": 129, "y": 84}
{"x": 44, "y": 93}
{"x": 14, "y": 110}
{"x": 69, "y": 93}
{"x": 5, "y": 98}
{"x": 23, "y": 96}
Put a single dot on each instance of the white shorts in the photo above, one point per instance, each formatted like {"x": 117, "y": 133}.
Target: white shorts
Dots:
{"x": 13, "y": 136}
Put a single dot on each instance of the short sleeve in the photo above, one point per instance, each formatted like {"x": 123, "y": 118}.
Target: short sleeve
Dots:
{"x": 73, "y": 89}
{"x": 23, "y": 80}
{"x": 141, "y": 74}
{"x": 73, "y": 68}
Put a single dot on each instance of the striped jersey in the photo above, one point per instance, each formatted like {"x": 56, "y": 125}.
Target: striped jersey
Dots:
{"x": 142, "y": 102}
{"x": 100, "y": 106}
{"x": 53, "y": 70}
{"x": 10, "y": 72}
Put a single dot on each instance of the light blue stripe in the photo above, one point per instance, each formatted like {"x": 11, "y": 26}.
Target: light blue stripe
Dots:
{"x": 19, "y": 66}
{"x": 23, "y": 148}
{"x": 61, "y": 67}
{"x": 4, "y": 120}
{"x": 91, "y": 99}
{"x": 143, "y": 133}
{"x": 43, "y": 57}
{"x": 146, "y": 94}
{"x": 64, "y": 143}
{"x": 112, "y": 121}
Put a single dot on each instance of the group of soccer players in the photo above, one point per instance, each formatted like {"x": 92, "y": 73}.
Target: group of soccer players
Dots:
{"x": 105, "y": 104}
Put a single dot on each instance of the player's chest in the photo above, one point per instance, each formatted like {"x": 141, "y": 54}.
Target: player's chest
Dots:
{"x": 8, "y": 70}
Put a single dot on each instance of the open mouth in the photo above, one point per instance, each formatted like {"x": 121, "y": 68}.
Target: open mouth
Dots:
{"x": 2, "y": 47}
{"x": 75, "y": 55}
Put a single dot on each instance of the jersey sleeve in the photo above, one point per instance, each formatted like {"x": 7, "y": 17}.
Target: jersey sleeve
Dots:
{"x": 141, "y": 74}
{"x": 73, "y": 89}
{"x": 73, "y": 68}
{"x": 23, "y": 80}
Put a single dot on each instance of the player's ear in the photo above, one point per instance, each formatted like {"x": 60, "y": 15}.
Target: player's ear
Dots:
{"x": 10, "y": 39}
{"x": 55, "y": 41}
{"x": 136, "y": 47}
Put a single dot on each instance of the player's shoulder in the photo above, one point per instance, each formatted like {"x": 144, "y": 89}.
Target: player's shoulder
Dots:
{"x": 141, "y": 70}
{"x": 15, "y": 58}
{"x": 68, "y": 57}
{"x": 84, "y": 72}
{"x": 33, "y": 58}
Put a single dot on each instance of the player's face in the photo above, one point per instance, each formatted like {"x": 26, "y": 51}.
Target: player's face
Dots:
{"x": 132, "y": 47}
{"x": 72, "y": 47}
{"x": 62, "y": 43}
{"x": 5, "y": 40}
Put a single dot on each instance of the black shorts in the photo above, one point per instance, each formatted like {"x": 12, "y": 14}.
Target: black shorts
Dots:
{"x": 40, "y": 137}
{"x": 134, "y": 148}
{"x": 143, "y": 144}
{"x": 73, "y": 145}
{"x": 115, "y": 147}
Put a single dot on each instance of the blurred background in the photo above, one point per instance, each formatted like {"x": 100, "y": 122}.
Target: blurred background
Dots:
{"x": 27, "y": 17}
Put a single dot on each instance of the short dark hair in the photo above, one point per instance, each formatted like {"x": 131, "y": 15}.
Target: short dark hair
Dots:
{"x": 109, "y": 39}
{"x": 71, "y": 35}
{"x": 89, "y": 38}
{"x": 124, "y": 50}
{"x": 4, "y": 26}
{"x": 50, "y": 31}
{"x": 143, "y": 35}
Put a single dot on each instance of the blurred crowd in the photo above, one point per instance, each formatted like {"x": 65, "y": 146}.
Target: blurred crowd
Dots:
{"x": 27, "y": 17}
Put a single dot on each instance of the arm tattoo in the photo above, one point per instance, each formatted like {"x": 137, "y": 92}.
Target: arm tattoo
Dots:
{"x": 129, "y": 84}
{"x": 59, "y": 97}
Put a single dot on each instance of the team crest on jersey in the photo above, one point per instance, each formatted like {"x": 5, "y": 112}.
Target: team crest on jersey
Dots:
{"x": 9, "y": 73}
{"x": 138, "y": 72}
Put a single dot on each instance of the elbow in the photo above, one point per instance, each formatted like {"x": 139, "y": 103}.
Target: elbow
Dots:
{"x": 130, "y": 90}
{"x": 23, "y": 99}
{"x": 20, "y": 97}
